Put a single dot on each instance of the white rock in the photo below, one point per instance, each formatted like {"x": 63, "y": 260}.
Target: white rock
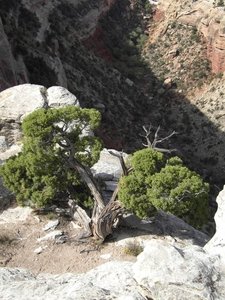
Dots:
{"x": 38, "y": 250}
{"x": 51, "y": 225}
{"x": 112, "y": 280}
{"x": 13, "y": 150}
{"x": 18, "y": 101}
{"x": 108, "y": 167}
{"x": 13, "y": 215}
{"x": 51, "y": 235}
{"x": 217, "y": 244}
{"x": 3, "y": 144}
{"x": 58, "y": 96}
{"x": 169, "y": 272}
{"x": 106, "y": 256}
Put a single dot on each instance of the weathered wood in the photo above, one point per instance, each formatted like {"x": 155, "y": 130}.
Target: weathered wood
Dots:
{"x": 103, "y": 216}
{"x": 81, "y": 217}
{"x": 156, "y": 140}
{"x": 106, "y": 219}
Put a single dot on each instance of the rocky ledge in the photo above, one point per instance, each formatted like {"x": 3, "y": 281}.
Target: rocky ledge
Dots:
{"x": 164, "y": 270}
{"x": 168, "y": 268}
{"x": 179, "y": 263}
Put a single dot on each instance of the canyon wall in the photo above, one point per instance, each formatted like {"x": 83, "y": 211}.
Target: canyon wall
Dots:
{"x": 210, "y": 23}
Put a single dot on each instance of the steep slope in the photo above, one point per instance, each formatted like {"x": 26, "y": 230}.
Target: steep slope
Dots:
{"x": 137, "y": 63}
{"x": 46, "y": 39}
{"x": 174, "y": 72}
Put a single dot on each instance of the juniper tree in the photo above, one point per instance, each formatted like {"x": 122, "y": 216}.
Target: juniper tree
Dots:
{"x": 159, "y": 184}
{"x": 56, "y": 157}
{"x": 40, "y": 171}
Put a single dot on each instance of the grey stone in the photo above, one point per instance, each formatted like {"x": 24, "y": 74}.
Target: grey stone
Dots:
{"x": 19, "y": 101}
{"x": 13, "y": 215}
{"x": 168, "y": 225}
{"x": 112, "y": 280}
{"x": 3, "y": 143}
{"x": 169, "y": 272}
{"x": 111, "y": 185}
{"x": 217, "y": 244}
{"x": 108, "y": 167}
{"x": 129, "y": 82}
{"x": 58, "y": 96}
{"x": 51, "y": 235}
{"x": 51, "y": 225}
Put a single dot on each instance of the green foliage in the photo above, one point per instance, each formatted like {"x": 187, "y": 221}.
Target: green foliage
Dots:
{"x": 39, "y": 172}
{"x": 125, "y": 41}
{"x": 157, "y": 184}
{"x": 148, "y": 7}
{"x": 220, "y": 3}
{"x": 195, "y": 36}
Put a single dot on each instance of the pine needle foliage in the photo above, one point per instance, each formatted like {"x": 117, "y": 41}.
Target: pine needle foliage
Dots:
{"x": 159, "y": 184}
{"x": 39, "y": 173}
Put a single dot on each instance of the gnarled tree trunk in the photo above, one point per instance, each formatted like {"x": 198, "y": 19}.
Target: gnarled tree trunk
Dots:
{"x": 104, "y": 215}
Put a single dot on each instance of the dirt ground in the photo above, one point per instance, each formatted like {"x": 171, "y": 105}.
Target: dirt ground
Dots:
{"x": 19, "y": 241}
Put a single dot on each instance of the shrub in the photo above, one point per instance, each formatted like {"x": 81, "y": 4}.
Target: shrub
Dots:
{"x": 133, "y": 249}
{"x": 160, "y": 184}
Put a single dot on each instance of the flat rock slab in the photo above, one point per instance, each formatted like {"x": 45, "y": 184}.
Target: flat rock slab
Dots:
{"x": 51, "y": 235}
{"x": 51, "y": 225}
{"x": 13, "y": 215}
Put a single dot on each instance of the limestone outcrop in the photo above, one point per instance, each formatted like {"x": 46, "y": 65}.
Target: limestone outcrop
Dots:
{"x": 217, "y": 243}
{"x": 19, "y": 101}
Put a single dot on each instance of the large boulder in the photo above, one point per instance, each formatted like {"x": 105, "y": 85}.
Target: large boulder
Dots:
{"x": 58, "y": 96}
{"x": 216, "y": 246}
{"x": 168, "y": 271}
{"x": 108, "y": 167}
{"x": 19, "y": 101}
{"x": 112, "y": 280}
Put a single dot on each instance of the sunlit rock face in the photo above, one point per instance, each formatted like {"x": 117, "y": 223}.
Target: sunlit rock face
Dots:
{"x": 167, "y": 269}
{"x": 210, "y": 23}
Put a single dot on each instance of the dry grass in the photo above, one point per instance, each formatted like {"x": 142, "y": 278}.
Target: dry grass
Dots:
{"x": 133, "y": 249}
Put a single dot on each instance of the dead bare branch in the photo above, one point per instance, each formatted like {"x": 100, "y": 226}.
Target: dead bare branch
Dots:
{"x": 157, "y": 140}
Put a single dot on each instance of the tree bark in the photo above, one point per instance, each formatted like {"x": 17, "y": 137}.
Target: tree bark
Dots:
{"x": 103, "y": 216}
